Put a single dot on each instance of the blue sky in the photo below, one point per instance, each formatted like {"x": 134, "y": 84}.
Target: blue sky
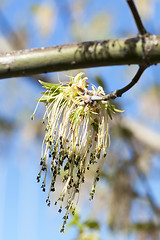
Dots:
{"x": 23, "y": 211}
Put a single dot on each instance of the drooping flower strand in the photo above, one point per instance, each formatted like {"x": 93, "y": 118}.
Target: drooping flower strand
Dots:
{"x": 76, "y": 137}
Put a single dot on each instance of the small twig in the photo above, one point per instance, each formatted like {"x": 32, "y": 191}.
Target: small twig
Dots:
{"x": 137, "y": 18}
{"x": 119, "y": 92}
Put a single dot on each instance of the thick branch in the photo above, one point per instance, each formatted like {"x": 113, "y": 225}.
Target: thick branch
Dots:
{"x": 136, "y": 17}
{"x": 80, "y": 55}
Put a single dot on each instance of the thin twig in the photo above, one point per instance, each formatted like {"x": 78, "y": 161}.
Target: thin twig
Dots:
{"x": 119, "y": 92}
{"x": 137, "y": 18}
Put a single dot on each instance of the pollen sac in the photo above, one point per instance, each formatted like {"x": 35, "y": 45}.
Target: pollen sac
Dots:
{"x": 76, "y": 137}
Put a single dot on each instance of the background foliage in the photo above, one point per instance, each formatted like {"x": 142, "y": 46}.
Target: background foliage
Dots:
{"x": 127, "y": 202}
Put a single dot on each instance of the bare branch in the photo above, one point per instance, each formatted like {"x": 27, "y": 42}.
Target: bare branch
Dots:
{"x": 136, "y": 16}
{"x": 80, "y": 55}
{"x": 149, "y": 193}
{"x": 142, "y": 133}
{"x": 119, "y": 92}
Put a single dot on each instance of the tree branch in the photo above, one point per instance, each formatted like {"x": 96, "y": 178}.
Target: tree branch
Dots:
{"x": 136, "y": 16}
{"x": 141, "y": 133}
{"x": 149, "y": 193}
{"x": 119, "y": 92}
{"x": 80, "y": 55}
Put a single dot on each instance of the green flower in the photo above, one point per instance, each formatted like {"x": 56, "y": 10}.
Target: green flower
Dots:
{"x": 76, "y": 137}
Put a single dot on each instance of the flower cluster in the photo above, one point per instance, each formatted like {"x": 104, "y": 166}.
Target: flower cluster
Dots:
{"x": 76, "y": 137}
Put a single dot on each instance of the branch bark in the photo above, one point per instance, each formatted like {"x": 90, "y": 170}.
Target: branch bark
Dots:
{"x": 135, "y": 50}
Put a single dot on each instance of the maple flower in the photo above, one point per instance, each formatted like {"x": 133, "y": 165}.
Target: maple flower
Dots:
{"x": 76, "y": 137}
